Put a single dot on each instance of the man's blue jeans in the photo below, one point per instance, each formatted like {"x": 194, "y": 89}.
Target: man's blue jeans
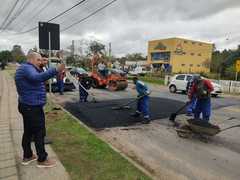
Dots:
{"x": 143, "y": 106}
{"x": 203, "y": 106}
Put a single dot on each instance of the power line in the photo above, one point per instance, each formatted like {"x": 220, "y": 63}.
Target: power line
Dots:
{"x": 18, "y": 12}
{"x": 91, "y": 14}
{"x": 9, "y": 14}
{"x": 37, "y": 13}
{"x": 32, "y": 29}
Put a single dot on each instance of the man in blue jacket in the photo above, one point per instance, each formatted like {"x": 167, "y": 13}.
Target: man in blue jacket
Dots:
{"x": 143, "y": 100}
{"x": 30, "y": 85}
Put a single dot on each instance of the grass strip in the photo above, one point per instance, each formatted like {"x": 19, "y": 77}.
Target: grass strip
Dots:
{"x": 84, "y": 155}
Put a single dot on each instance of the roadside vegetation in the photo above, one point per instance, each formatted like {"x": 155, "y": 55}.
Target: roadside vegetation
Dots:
{"x": 83, "y": 154}
{"x": 150, "y": 79}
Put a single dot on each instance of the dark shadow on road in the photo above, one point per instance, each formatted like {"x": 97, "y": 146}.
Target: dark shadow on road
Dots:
{"x": 100, "y": 114}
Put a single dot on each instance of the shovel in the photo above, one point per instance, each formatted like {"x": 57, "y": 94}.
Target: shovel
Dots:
{"x": 126, "y": 106}
{"x": 174, "y": 115}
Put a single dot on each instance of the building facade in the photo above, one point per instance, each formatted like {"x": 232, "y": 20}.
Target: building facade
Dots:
{"x": 180, "y": 55}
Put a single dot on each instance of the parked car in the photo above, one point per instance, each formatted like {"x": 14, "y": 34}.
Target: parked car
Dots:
{"x": 78, "y": 71}
{"x": 179, "y": 83}
{"x": 138, "y": 71}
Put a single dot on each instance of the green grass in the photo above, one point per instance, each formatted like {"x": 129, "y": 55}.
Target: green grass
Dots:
{"x": 149, "y": 79}
{"x": 83, "y": 154}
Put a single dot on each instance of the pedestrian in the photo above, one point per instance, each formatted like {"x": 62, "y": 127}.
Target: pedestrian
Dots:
{"x": 202, "y": 89}
{"x": 60, "y": 82}
{"x": 102, "y": 68}
{"x": 30, "y": 85}
{"x": 192, "y": 104}
{"x": 143, "y": 100}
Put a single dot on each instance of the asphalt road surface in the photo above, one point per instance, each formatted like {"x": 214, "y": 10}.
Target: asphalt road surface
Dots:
{"x": 156, "y": 146}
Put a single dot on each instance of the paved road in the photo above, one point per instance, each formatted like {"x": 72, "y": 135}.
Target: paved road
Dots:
{"x": 156, "y": 146}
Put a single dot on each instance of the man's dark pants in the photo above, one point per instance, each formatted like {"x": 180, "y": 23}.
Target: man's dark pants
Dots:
{"x": 34, "y": 127}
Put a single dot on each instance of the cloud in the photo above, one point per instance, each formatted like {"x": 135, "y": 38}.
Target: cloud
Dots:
{"x": 129, "y": 25}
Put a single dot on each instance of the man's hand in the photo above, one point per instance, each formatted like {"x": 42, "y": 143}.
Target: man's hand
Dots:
{"x": 61, "y": 67}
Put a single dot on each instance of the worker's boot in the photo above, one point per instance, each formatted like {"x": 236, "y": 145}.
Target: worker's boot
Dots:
{"x": 146, "y": 120}
{"x": 136, "y": 114}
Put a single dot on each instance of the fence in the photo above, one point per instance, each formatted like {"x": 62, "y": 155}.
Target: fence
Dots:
{"x": 227, "y": 85}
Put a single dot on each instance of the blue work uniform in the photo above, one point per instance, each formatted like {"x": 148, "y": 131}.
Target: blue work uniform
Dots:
{"x": 202, "y": 90}
{"x": 143, "y": 103}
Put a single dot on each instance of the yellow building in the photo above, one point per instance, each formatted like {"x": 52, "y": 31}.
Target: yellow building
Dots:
{"x": 180, "y": 55}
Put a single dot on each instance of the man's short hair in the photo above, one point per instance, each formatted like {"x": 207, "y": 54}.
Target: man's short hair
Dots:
{"x": 31, "y": 54}
{"x": 44, "y": 55}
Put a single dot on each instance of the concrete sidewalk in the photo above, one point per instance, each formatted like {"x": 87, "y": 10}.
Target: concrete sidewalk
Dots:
{"x": 11, "y": 130}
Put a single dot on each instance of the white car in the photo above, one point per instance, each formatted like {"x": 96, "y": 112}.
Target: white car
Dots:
{"x": 179, "y": 83}
{"x": 138, "y": 71}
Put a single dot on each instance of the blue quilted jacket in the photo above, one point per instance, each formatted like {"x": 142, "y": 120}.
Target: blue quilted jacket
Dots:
{"x": 30, "y": 84}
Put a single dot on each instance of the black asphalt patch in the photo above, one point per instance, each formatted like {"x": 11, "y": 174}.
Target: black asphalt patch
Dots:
{"x": 100, "y": 114}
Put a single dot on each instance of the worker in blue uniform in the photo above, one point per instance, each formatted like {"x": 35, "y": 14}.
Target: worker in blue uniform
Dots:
{"x": 143, "y": 100}
{"x": 83, "y": 94}
{"x": 202, "y": 89}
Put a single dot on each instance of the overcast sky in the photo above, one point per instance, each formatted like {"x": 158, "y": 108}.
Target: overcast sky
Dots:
{"x": 127, "y": 24}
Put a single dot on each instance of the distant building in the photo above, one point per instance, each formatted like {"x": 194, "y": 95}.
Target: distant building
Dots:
{"x": 180, "y": 55}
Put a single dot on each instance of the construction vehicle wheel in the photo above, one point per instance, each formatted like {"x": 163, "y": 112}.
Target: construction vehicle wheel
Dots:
{"x": 122, "y": 85}
{"x": 113, "y": 86}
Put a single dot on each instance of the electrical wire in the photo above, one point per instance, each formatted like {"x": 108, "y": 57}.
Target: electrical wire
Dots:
{"x": 34, "y": 28}
{"x": 37, "y": 13}
{"x": 88, "y": 16}
{"x": 22, "y": 7}
{"x": 9, "y": 14}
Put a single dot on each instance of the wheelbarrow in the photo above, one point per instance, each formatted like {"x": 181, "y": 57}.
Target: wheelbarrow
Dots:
{"x": 204, "y": 129}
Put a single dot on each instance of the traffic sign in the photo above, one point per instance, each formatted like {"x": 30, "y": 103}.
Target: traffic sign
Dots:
{"x": 238, "y": 65}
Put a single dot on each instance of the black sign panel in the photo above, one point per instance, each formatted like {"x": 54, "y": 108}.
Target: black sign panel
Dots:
{"x": 44, "y": 30}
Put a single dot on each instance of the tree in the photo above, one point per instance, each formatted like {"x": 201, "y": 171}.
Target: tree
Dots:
{"x": 70, "y": 60}
{"x": 135, "y": 57}
{"x": 5, "y": 57}
{"x": 17, "y": 54}
{"x": 96, "y": 47}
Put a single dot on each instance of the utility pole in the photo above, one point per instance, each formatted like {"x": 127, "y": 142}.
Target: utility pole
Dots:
{"x": 72, "y": 49}
{"x": 110, "y": 52}
{"x": 110, "y": 49}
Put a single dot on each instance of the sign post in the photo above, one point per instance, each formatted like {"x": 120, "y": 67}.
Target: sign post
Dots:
{"x": 237, "y": 69}
{"x": 49, "y": 39}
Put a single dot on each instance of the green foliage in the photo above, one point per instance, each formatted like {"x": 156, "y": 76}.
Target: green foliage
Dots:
{"x": 223, "y": 63}
{"x": 5, "y": 57}
{"x": 135, "y": 57}
{"x": 17, "y": 54}
{"x": 96, "y": 47}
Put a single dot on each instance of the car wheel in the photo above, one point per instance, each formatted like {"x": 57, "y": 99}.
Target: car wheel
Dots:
{"x": 215, "y": 95}
{"x": 172, "y": 89}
